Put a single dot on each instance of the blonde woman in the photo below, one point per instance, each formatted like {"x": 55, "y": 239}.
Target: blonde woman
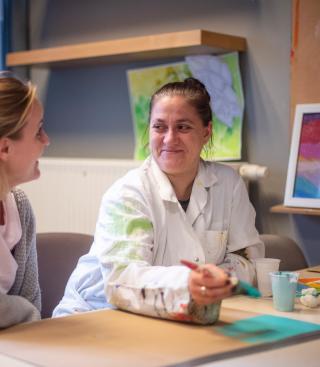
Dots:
{"x": 22, "y": 141}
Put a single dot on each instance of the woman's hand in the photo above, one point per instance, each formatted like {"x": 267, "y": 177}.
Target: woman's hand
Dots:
{"x": 209, "y": 284}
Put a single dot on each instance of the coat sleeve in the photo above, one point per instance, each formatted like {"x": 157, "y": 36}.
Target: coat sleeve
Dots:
{"x": 16, "y": 309}
{"x": 125, "y": 231}
{"x": 242, "y": 235}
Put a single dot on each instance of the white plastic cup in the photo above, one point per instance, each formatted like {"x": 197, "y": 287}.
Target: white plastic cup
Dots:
{"x": 264, "y": 266}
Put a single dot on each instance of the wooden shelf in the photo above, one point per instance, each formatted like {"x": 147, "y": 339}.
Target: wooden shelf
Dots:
{"x": 130, "y": 49}
{"x": 281, "y": 209}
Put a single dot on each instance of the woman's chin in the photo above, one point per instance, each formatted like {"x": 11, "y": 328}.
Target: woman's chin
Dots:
{"x": 36, "y": 174}
{"x": 171, "y": 169}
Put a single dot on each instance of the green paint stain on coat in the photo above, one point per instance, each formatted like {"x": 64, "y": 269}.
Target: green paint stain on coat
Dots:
{"x": 139, "y": 224}
{"x": 124, "y": 250}
{"x": 123, "y": 220}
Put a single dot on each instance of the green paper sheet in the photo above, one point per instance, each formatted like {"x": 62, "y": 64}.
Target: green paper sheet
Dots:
{"x": 266, "y": 329}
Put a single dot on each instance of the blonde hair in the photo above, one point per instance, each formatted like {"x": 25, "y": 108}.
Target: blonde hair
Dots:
{"x": 16, "y": 98}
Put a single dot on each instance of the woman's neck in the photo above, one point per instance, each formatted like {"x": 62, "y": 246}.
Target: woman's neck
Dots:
{"x": 182, "y": 185}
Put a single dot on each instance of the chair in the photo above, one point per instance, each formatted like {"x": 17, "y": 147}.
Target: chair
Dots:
{"x": 285, "y": 249}
{"x": 58, "y": 254}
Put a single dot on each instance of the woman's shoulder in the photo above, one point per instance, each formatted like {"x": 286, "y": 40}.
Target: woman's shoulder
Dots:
{"x": 132, "y": 178}
{"x": 20, "y": 197}
{"x": 130, "y": 182}
{"x": 22, "y": 201}
{"x": 222, "y": 170}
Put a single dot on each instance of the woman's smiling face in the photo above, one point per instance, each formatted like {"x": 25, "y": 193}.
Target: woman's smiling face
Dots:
{"x": 177, "y": 135}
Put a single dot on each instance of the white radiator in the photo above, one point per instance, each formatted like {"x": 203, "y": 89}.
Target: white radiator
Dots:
{"x": 67, "y": 196}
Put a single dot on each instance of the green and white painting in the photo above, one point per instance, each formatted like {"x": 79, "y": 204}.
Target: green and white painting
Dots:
{"x": 222, "y": 78}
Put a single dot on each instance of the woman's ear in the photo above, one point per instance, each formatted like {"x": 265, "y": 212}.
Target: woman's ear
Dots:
{"x": 208, "y": 132}
{"x": 4, "y": 149}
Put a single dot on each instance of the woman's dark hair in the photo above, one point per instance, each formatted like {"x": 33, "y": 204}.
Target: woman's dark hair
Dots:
{"x": 195, "y": 93}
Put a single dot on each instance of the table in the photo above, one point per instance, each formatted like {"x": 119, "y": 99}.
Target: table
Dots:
{"x": 116, "y": 338}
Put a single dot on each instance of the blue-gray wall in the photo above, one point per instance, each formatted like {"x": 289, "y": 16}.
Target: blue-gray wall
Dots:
{"x": 87, "y": 108}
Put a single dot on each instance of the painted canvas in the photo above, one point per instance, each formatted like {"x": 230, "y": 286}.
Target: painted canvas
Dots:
{"x": 222, "y": 78}
{"x": 307, "y": 182}
{"x": 303, "y": 178}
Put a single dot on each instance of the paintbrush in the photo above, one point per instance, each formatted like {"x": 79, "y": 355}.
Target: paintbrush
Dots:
{"x": 239, "y": 286}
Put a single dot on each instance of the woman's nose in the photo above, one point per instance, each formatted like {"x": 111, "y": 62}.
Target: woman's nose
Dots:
{"x": 45, "y": 139}
{"x": 169, "y": 136}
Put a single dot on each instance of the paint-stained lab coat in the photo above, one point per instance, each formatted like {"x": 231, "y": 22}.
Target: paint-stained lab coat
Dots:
{"x": 142, "y": 234}
{"x": 145, "y": 233}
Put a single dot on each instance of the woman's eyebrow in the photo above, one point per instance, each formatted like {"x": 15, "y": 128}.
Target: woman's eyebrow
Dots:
{"x": 185, "y": 120}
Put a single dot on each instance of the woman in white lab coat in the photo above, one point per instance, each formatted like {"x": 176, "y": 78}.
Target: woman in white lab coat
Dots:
{"x": 174, "y": 207}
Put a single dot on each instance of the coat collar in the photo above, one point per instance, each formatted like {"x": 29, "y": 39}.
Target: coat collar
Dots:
{"x": 165, "y": 188}
{"x": 199, "y": 196}
{"x": 205, "y": 178}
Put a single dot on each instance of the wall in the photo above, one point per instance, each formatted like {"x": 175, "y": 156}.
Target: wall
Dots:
{"x": 305, "y": 53}
{"x": 87, "y": 109}
{"x": 305, "y": 88}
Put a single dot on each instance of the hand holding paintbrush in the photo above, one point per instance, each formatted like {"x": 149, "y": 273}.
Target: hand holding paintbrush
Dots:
{"x": 209, "y": 284}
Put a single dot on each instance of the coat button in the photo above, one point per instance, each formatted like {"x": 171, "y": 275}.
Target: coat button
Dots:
{"x": 196, "y": 259}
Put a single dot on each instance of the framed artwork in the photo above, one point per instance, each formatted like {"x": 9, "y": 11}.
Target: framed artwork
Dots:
{"x": 303, "y": 178}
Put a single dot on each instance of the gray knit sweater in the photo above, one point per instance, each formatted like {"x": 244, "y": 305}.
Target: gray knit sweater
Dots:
{"x": 23, "y": 301}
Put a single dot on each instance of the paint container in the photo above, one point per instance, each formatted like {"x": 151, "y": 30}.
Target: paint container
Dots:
{"x": 284, "y": 286}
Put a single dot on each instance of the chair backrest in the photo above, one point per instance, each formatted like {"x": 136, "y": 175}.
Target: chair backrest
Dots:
{"x": 58, "y": 254}
{"x": 285, "y": 249}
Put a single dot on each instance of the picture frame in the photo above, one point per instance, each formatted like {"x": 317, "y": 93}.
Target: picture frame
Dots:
{"x": 303, "y": 176}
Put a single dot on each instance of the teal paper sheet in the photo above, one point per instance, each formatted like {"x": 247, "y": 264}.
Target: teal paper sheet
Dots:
{"x": 266, "y": 329}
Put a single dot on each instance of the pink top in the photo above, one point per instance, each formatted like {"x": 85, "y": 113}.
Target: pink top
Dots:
{"x": 10, "y": 234}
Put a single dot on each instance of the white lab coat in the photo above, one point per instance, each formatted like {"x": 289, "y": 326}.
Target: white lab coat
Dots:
{"x": 143, "y": 233}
